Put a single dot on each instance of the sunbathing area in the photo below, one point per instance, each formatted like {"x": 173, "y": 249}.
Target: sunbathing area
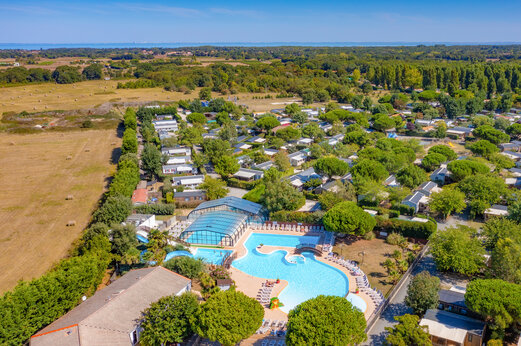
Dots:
{"x": 279, "y": 264}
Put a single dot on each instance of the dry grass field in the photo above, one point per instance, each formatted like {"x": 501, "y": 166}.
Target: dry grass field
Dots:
{"x": 37, "y": 173}
{"x": 376, "y": 252}
{"x": 92, "y": 94}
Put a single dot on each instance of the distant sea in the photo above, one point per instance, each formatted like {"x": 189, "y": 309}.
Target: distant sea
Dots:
{"x": 36, "y": 46}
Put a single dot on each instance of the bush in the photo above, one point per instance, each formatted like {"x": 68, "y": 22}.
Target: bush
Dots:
{"x": 413, "y": 229}
{"x": 156, "y": 209}
{"x": 241, "y": 184}
{"x": 186, "y": 266}
{"x": 255, "y": 194}
{"x": 403, "y": 209}
{"x": 297, "y": 216}
{"x": 395, "y": 239}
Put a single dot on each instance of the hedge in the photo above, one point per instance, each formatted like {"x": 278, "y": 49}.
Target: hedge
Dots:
{"x": 247, "y": 185}
{"x": 403, "y": 209}
{"x": 297, "y": 216}
{"x": 156, "y": 209}
{"x": 413, "y": 229}
{"x": 37, "y": 303}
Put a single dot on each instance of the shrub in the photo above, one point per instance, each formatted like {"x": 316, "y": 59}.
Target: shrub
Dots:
{"x": 186, "y": 266}
{"x": 413, "y": 229}
{"x": 395, "y": 239}
{"x": 156, "y": 209}
{"x": 297, "y": 216}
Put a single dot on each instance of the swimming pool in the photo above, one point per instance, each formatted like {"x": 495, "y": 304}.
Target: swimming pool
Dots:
{"x": 307, "y": 277}
{"x": 212, "y": 256}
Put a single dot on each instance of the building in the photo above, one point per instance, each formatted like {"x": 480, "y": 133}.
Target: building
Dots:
{"x": 305, "y": 141}
{"x": 391, "y": 181}
{"x": 256, "y": 140}
{"x": 428, "y": 188}
{"x": 165, "y": 125}
{"x": 175, "y": 151}
{"x": 454, "y": 301}
{"x": 512, "y": 154}
{"x": 189, "y": 181}
{"x": 265, "y": 165}
{"x": 139, "y": 196}
{"x": 512, "y": 146}
{"x": 190, "y": 197}
{"x": 417, "y": 200}
{"x": 299, "y": 179}
{"x": 112, "y": 316}
{"x": 298, "y": 158}
{"x": 248, "y": 174}
{"x": 178, "y": 160}
{"x": 495, "y": 210}
{"x": 144, "y": 223}
{"x": 460, "y": 132}
{"x": 440, "y": 175}
{"x": 182, "y": 168}
{"x": 446, "y": 328}
{"x": 221, "y": 222}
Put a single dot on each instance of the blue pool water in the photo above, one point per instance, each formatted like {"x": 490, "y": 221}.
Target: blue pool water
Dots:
{"x": 213, "y": 256}
{"x": 307, "y": 278}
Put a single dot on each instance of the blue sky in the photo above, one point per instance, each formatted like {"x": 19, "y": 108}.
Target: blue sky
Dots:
{"x": 102, "y": 21}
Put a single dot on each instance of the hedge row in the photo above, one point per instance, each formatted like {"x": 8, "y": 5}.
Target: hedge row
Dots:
{"x": 413, "y": 229}
{"x": 297, "y": 216}
{"x": 156, "y": 209}
{"x": 247, "y": 185}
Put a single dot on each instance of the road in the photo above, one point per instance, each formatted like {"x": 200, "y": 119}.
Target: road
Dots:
{"x": 396, "y": 307}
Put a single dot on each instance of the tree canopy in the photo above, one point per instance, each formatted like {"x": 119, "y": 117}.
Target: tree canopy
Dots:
{"x": 458, "y": 250}
{"x": 347, "y": 217}
{"x": 422, "y": 293}
{"x": 267, "y": 123}
{"x": 186, "y": 266}
{"x": 491, "y": 134}
{"x": 331, "y": 166}
{"x": 369, "y": 169}
{"x": 228, "y": 317}
{"x": 443, "y": 150}
{"x": 447, "y": 201}
{"x": 326, "y": 320}
{"x": 167, "y": 321}
{"x": 408, "y": 332}
{"x": 411, "y": 176}
{"x": 461, "y": 169}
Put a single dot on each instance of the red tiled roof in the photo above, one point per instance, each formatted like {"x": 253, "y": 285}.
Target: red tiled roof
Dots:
{"x": 140, "y": 196}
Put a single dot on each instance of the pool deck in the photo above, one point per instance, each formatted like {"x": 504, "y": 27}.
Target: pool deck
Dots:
{"x": 250, "y": 285}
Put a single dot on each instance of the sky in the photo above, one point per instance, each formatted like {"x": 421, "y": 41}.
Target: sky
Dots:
{"x": 162, "y": 21}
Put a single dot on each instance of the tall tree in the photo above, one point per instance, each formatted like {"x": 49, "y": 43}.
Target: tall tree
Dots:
{"x": 325, "y": 320}
{"x": 408, "y": 332}
{"x": 422, "y": 293}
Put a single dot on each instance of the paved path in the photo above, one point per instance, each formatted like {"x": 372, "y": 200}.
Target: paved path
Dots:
{"x": 397, "y": 307}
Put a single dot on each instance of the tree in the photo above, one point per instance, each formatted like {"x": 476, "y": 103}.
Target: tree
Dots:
{"x": 331, "y": 166}
{"x": 167, "y": 321}
{"x": 411, "y": 176}
{"x": 433, "y": 160}
{"x": 292, "y": 109}
{"x": 460, "y": 169}
{"x": 158, "y": 241}
{"x": 369, "y": 169}
{"x": 66, "y": 75}
{"x": 196, "y": 118}
{"x": 205, "y": 94}
{"x": 288, "y": 133}
{"x": 422, "y": 293}
{"x": 514, "y": 130}
{"x": 313, "y": 130}
{"x": 340, "y": 192}
{"x": 226, "y": 165}
{"x": 491, "y": 134}
{"x": 514, "y": 211}
{"x": 483, "y": 148}
{"x": 214, "y": 149}
{"x": 482, "y": 190}
{"x": 215, "y": 188}
{"x": 129, "y": 142}
{"x": 358, "y": 137}
{"x": 123, "y": 239}
{"x": 444, "y": 150}
{"x": 408, "y": 332}
{"x": 501, "y": 228}
{"x": 115, "y": 209}
{"x": 299, "y": 117}
{"x": 267, "y": 123}
{"x": 505, "y": 262}
{"x": 93, "y": 71}
{"x": 186, "y": 266}
{"x": 480, "y": 120}
{"x": 347, "y": 217}
{"x": 325, "y": 320}
{"x": 384, "y": 122}
{"x": 495, "y": 300}
{"x": 458, "y": 250}
{"x": 281, "y": 161}
{"x": 228, "y": 317}
{"x": 152, "y": 160}
{"x": 447, "y": 201}
{"x": 280, "y": 195}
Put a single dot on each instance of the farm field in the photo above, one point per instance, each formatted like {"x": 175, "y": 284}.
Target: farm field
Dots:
{"x": 92, "y": 94}
{"x": 38, "y": 172}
